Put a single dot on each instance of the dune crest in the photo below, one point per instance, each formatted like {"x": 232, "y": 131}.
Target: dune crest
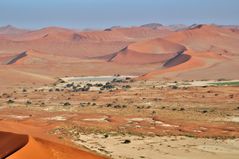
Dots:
{"x": 13, "y": 59}
{"x": 11, "y": 143}
{"x": 16, "y": 146}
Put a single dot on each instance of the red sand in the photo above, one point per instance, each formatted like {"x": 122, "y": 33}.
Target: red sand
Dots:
{"x": 23, "y": 146}
{"x": 39, "y": 149}
{"x": 10, "y": 143}
{"x": 64, "y": 52}
{"x": 211, "y": 49}
{"x": 193, "y": 62}
{"x": 149, "y": 51}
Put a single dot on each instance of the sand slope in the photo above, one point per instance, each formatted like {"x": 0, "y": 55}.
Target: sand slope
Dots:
{"x": 39, "y": 149}
{"x": 212, "y": 50}
{"x": 55, "y": 51}
{"x": 17, "y": 146}
{"x": 11, "y": 142}
{"x": 149, "y": 51}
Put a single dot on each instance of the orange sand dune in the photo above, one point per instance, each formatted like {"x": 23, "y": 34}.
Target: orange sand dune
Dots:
{"x": 10, "y": 143}
{"x": 42, "y": 149}
{"x": 193, "y": 62}
{"x": 51, "y": 33}
{"x": 56, "y": 46}
{"x": 119, "y": 34}
{"x": 149, "y": 51}
{"x": 67, "y": 42}
{"x": 201, "y": 65}
{"x": 38, "y": 144}
{"x": 64, "y": 52}
{"x": 33, "y": 57}
{"x": 14, "y": 59}
{"x": 208, "y": 38}
{"x": 144, "y": 33}
{"x": 156, "y": 46}
{"x": 16, "y": 146}
{"x": 213, "y": 50}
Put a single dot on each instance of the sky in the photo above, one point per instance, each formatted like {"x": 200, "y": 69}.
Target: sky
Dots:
{"x": 106, "y": 13}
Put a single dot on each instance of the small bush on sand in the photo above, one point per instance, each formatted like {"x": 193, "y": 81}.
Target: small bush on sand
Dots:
{"x": 67, "y": 104}
{"x": 10, "y": 101}
{"x": 126, "y": 141}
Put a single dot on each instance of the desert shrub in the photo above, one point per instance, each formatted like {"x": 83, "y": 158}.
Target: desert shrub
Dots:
{"x": 107, "y": 86}
{"x": 127, "y": 86}
{"x": 174, "y": 87}
{"x": 85, "y": 88}
{"x": 69, "y": 84}
{"x": 89, "y": 84}
{"x": 67, "y": 104}
{"x": 10, "y": 101}
{"x": 57, "y": 90}
{"x": 28, "y": 102}
{"x": 117, "y": 80}
{"x": 153, "y": 112}
{"x": 106, "y": 136}
{"x": 117, "y": 106}
{"x": 126, "y": 141}
{"x": 98, "y": 85}
{"x": 124, "y": 106}
{"x": 108, "y": 29}
{"x": 181, "y": 109}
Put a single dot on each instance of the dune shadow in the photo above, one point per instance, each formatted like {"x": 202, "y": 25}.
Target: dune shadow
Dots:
{"x": 179, "y": 59}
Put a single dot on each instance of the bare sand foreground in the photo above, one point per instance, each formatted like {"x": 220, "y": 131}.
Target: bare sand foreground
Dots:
{"x": 177, "y": 147}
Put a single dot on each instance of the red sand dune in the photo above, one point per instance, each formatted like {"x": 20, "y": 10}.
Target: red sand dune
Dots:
{"x": 149, "y": 51}
{"x": 190, "y": 63}
{"x": 14, "y": 59}
{"x": 38, "y": 144}
{"x": 208, "y": 38}
{"x": 10, "y": 143}
{"x": 33, "y": 57}
{"x": 42, "y": 149}
{"x": 141, "y": 33}
{"x": 67, "y": 42}
{"x": 51, "y": 33}
{"x": 62, "y": 52}
{"x": 118, "y": 34}
{"x": 16, "y": 146}
{"x": 156, "y": 46}
{"x": 213, "y": 51}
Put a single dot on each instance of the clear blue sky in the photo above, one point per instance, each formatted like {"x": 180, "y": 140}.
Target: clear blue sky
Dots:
{"x": 105, "y": 13}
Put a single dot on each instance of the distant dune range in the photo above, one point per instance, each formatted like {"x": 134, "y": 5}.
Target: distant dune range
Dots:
{"x": 152, "y": 51}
